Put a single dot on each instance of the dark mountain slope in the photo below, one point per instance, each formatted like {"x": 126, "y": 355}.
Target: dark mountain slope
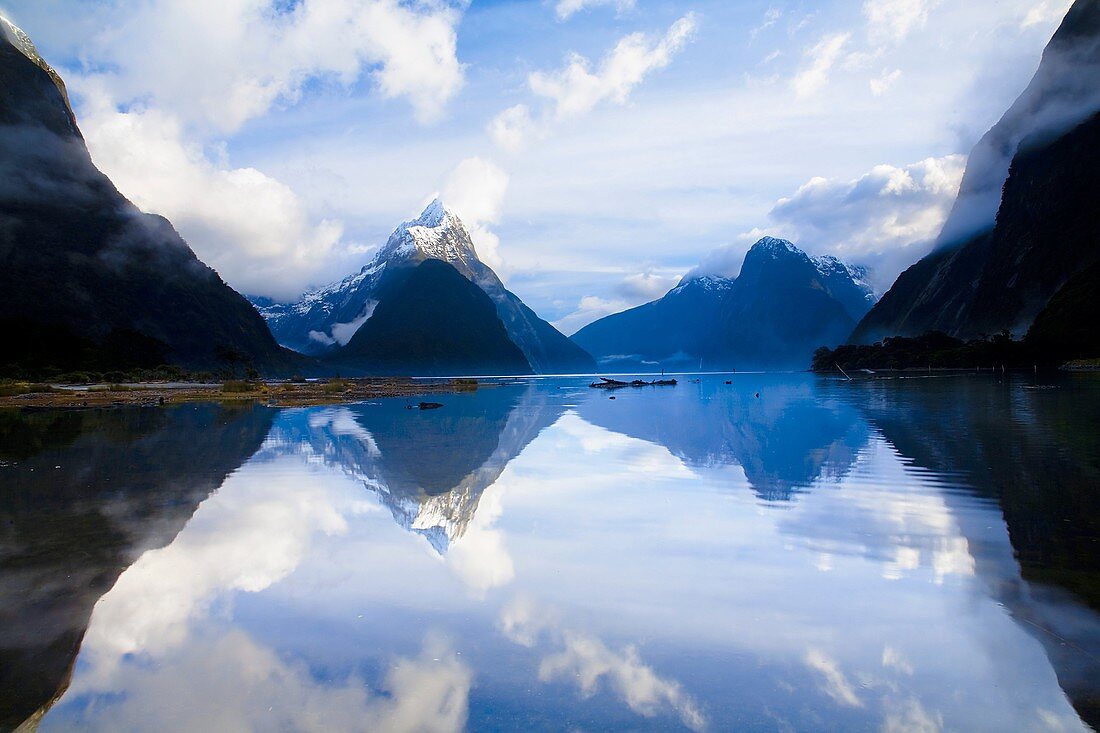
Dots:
{"x": 1067, "y": 327}
{"x": 994, "y": 274}
{"x": 88, "y": 281}
{"x": 779, "y": 310}
{"x": 430, "y": 320}
{"x": 1048, "y": 229}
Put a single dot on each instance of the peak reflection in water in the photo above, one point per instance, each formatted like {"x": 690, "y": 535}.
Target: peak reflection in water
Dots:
{"x": 780, "y": 430}
{"x": 539, "y": 557}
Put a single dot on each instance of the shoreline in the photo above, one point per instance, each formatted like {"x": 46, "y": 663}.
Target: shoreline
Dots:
{"x": 271, "y": 394}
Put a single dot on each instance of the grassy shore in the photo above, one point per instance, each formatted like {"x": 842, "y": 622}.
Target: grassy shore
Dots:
{"x": 275, "y": 394}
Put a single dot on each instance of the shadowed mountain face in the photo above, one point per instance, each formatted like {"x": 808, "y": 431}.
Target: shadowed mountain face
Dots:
{"x": 782, "y": 306}
{"x": 326, "y": 319}
{"x": 785, "y": 440}
{"x": 1035, "y": 452}
{"x": 85, "y": 494}
{"x": 89, "y": 281}
{"x": 429, "y": 320}
{"x": 989, "y": 275}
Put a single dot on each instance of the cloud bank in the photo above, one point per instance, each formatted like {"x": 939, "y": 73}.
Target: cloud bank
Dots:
{"x": 173, "y": 80}
{"x": 885, "y": 220}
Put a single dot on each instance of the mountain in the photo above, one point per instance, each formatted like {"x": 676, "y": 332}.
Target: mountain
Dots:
{"x": 781, "y": 306}
{"x": 430, "y": 320}
{"x": 89, "y": 282}
{"x": 1024, "y": 222}
{"x": 324, "y": 320}
{"x": 677, "y": 329}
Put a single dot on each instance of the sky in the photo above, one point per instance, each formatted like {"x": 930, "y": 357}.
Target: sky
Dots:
{"x": 598, "y": 150}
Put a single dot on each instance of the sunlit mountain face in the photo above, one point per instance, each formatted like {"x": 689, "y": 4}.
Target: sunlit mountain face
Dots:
{"x": 536, "y": 555}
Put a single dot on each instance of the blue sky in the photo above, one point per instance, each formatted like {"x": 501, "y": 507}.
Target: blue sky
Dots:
{"x": 598, "y": 149}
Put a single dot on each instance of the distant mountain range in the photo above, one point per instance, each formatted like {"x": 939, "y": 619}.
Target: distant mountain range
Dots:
{"x": 327, "y": 322}
{"x": 87, "y": 280}
{"x": 1037, "y": 261}
{"x": 781, "y": 306}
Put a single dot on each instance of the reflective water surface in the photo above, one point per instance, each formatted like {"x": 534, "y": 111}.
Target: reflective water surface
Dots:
{"x": 780, "y": 553}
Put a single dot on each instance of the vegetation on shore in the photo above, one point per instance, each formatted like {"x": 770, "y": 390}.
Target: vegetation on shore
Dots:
{"x": 276, "y": 394}
{"x": 936, "y": 350}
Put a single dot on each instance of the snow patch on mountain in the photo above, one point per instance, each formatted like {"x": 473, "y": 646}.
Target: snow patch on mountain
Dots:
{"x": 437, "y": 233}
{"x": 828, "y": 265}
{"x": 709, "y": 283}
{"x": 777, "y": 246}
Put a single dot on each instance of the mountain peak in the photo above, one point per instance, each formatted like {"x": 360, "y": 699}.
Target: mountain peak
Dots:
{"x": 19, "y": 40}
{"x": 434, "y": 215}
{"x": 437, "y": 234}
{"x": 775, "y": 246}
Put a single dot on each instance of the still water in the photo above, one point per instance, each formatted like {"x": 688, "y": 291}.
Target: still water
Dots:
{"x": 780, "y": 553}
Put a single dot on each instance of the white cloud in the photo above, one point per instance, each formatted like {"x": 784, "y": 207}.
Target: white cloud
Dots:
{"x": 253, "y": 229}
{"x": 523, "y": 620}
{"x": 512, "y": 128}
{"x": 894, "y": 659}
{"x": 646, "y": 286}
{"x": 820, "y": 59}
{"x": 1048, "y": 11}
{"x": 249, "y": 535}
{"x": 884, "y": 219}
{"x": 480, "y": 556}
{"x": 771, "y": 17}
{"x": 171, "y": 79}
{"x": 834, "y": 683}
{"x": 475, "y": 191}
{"x": 884, "y": 213}
{"x": 576, "y": 89}
{"x": 911, "y": 717}
{"x": 219, "y": 64}
{"x": 590, "y": 308}
{"x": 884, "y": 82}
{"x": 566, "y": 8}
{"x": 221, "y": 683}
{"x": 631, "y": 291}
{"x": 587, "y": 660}
{"x": 893, "y": 20}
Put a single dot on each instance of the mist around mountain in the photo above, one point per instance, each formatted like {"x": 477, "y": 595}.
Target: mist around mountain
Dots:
{"x": 1036, "y": 169}
{"x": 781, "y": 306}
{"x": 324, "y": 322}
{"x": 90, "y": 282}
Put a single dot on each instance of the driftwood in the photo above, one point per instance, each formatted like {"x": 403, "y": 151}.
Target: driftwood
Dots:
{"x": 606, "y": 383}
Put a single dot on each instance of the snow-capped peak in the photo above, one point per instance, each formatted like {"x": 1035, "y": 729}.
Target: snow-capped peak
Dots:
{"x": 437, "y": 233}
{"x": 433, "y": 215}
{"x": 774, "y": 245}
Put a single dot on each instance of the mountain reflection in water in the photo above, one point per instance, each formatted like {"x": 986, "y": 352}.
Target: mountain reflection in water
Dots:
{"x": 537, "y": 556}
